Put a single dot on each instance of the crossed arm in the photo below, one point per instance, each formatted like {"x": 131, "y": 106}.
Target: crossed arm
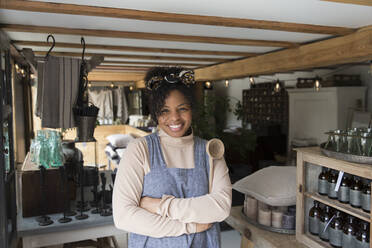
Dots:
{"x": 168, "y": 216}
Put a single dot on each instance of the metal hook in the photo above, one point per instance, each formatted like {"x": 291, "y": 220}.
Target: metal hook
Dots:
{"x": 83, "y": 43}
{"x": 53, "y": 44}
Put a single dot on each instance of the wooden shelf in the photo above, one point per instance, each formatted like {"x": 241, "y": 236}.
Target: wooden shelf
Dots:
{"x": 313, "y": 155}
{"x": 317, "y": 241}
{"x": 357, "y": 212}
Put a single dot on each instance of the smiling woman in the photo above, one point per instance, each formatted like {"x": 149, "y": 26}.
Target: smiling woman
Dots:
{"x": 168, "y": 191}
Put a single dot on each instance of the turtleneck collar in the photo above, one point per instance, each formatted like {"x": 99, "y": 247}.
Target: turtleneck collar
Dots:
{"x": 175, "y": 141}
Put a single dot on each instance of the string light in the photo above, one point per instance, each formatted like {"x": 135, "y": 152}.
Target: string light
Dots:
{"x": 317, "y": 84}
{"x": 131, "y": 88}
{"x": 208, "y": 85}
{"x": 227, "y": 83}
{"x": 112, "y": 85}
{"x": 277, "y": 86}
{"x": 251, "y": 80}
{"x": 89, "y": 84}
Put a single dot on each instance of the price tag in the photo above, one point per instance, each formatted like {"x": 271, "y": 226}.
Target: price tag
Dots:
{"x": 339, "y": 179}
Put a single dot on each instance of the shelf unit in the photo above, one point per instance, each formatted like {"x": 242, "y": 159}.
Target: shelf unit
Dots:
{"x": 313, "y": 156}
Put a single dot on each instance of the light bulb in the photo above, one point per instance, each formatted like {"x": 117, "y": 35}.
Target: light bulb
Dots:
{"x": 131, "y": 88}
{"x": 89, "y": 85}
{"x": 112, "y": 85}
{"x": 317, "y": 85}
{"x": 251, "y": 80}
{"x": 208, "y": 84}
{"x": 227, "y": 83}
{"x": 277, "y": 87}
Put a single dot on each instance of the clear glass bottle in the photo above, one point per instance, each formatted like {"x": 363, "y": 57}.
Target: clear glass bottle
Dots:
{"x": 332, "y": 180}
{"x": 362, "y": 237}
{"x": 314, "y": 218}
{"x": 366, "y": 196}
{"x": 323, "y": 181}
{"x": 324, "y": 219}
{"x": 356, "y": 192}
{"x": 335, "y": 230}
{"x": 343, "y": 193}
{"x": 349, "y": 232}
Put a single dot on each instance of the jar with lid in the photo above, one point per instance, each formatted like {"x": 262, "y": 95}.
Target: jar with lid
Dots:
{"x": 314, "y": 218}
{"x": 366, "y": 196}
{"x": 343, "y": 193}
{"x": 356, "y": 192}
{"x": 362, "y": 237}
{"x": 324, "y": 219}
{"x": 349, "y": 232}
{"x": 335, "y": 230}
{"x": 332, "y": 180}
{"x": 323, "y": 181}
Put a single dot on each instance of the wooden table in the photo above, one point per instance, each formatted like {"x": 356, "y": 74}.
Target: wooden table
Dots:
{"x": 259, "y": 237}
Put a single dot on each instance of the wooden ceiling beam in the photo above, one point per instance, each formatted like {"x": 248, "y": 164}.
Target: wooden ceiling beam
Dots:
{"x": 102, "y": 76}
{"x": 350, "y": 48}
{"x": 135, "y": 49}
{"x": 359, "y": 2}
{"x": 133, "y": 56}
{"x": 151, "y": 63}
{"x": 145, "y": 36}
{"x": 86, "y": 10}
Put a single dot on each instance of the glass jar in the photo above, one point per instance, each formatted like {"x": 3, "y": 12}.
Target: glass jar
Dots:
{"x": 348, "y": 232}
{"x": 356, "y": 192}
{"x": 362, "y": 237}
{"x": 324, "y": 219}
{"x": 314, "y": 218}
{"x": 366, "y": 196}
{"x": 332, "y": 180}
{"x": 343, "y": 193}
{"x": 335, "y": 230}
{"x": 323, "y": 182}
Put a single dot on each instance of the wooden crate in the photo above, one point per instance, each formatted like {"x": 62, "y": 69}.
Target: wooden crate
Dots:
{"x": 312, "y": 157}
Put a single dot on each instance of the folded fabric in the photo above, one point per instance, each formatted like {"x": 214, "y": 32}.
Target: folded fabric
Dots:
{"x": 274, "y": 185}
{"x": 110, "y": 152}
{"x": 120, "y": 140}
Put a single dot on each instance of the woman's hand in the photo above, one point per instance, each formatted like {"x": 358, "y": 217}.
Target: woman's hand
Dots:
{"x": 150, "y": 204}
{"x": 202, "y": 227}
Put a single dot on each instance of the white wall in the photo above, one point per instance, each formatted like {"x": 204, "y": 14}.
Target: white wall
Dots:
{"x": 236, "y": 86}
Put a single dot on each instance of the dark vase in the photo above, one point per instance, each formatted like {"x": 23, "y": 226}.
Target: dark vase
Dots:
{"x": 335, "y": 230}
{"x": 356, "y": 192}
{"x": 332, "y": 180}
{"x": 314, "y": 218}
{"x": 348, "y": 232}
{"x": 343, "y": 193}
{"x": 324, "y": 219}
{"x": 323, "y": 182}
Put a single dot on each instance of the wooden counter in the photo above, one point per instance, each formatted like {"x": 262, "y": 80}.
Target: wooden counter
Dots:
{"x": 261, "y": 238}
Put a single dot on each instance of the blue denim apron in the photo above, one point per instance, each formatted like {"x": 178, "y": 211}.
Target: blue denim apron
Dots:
{"x": 181, "y": 183}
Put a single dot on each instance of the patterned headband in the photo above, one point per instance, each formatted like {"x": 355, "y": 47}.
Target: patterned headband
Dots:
{"x": 185, "y": 76}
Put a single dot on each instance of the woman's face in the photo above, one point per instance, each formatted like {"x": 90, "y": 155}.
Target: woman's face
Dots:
{"x": 176, "y": 116}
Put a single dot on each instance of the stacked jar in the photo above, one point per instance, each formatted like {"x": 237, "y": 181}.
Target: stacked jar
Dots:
{"x": 337, "y": 228}
{"x": 352, "y": 190}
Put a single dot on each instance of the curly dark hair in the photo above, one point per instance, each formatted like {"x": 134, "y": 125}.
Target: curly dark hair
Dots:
{"x": 157, "y": 96}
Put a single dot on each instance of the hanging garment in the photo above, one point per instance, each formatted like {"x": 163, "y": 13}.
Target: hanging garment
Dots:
{"x": 58, "y": 80}
{"x": 181, "y": 183}
{"x": 122, "y": 105}
{"x": 103, "y": 100}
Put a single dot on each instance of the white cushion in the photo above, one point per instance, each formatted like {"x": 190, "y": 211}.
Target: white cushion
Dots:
{"x": 274, "y": 185}
{"x": 120, "y": 140}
